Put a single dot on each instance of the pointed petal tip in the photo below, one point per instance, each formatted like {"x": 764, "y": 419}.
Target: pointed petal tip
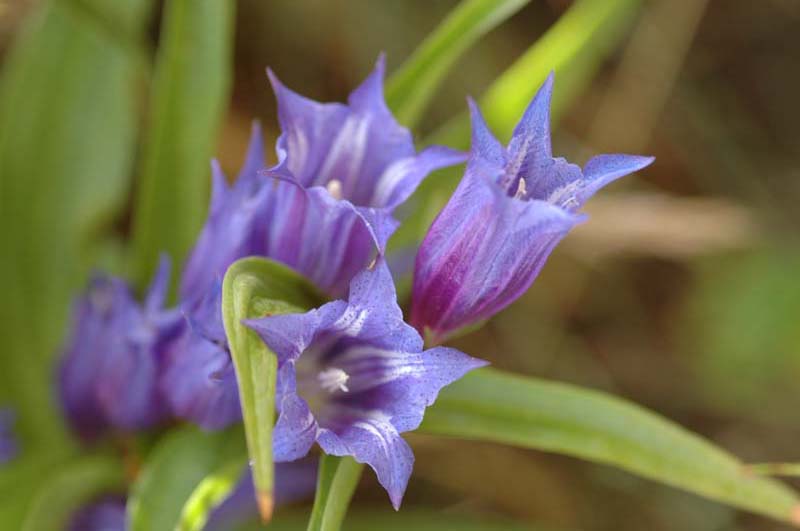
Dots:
{"x": 380, "y": 64}
{"x": 273, "y": 79}
{"x": 266, "y": 505}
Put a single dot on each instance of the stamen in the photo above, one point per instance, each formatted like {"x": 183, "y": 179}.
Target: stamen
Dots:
{"x": 334, "y": 188}
{"x": 521, "y": 189}
{"x": 333, "y": 379}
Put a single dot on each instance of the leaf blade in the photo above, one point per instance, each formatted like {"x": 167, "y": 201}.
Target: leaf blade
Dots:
{"x": 411, "y": 87}
{"x": 188, "y": 99}
{"x": 173, "y": 471}
{"x": 254, "y": 287}
{"x": 494, "y": 406}
{"x": 336, "y": 482}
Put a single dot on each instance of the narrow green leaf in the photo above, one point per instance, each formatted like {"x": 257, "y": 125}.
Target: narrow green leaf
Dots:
{"x": 532, "y": 413}
{"x": 189, "y": 97}
{"x": 180, "y": 462}
{"x": 791, "y": 470}
{"x": 68, "y": 115}
{"x": 574, "y": 47}
{"x": 336, "y": 482}
{"x": 211, "y": 492}
{"x": 66, "y": 490}
{"x": 255, "y": 287}
{"x": 412, "y": 86}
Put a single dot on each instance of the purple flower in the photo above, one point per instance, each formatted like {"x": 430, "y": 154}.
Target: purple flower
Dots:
{"x": 105, "y": 514}
{"x": 351, "y": 166}
{"x": 325, "y": 210}
{"x": 512, "y": 207}
{"x": 199, "y": 380}
{"x": 8, "y": 443}
{"x": 109, "y": 371}
{"x": 352, "y": 376}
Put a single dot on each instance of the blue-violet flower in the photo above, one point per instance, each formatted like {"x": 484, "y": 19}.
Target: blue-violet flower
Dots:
{"x": 513, "y": 205}
{"x": 352, "y": 376}
{"x": 108, "y": 376}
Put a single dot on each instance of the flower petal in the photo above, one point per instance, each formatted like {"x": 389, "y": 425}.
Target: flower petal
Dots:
{"x": 199, "y": 383}
{"x": 296, "y": 429}
{"x": 288, "y": 335}
{"x": 603, "y": 169}
{"x": 372, "y": 439}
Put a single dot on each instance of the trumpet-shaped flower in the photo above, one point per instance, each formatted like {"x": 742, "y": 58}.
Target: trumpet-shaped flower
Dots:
{"x": 109, "y": 371}
{"x": 513, "y": 205}
{"x": 352, "y": 376}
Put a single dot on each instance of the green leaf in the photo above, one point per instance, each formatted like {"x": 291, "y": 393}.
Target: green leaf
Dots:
{"x": 211, "y": 492}
{"x": 574, "y": 48}
{"x": 256, "y": 287}
{"x": 493, "y": 406}
{"x": 68, "y": 117}
{"x": 71, "y": 486}
{"x": 336, "y": 482}
{"x": 189, "y": 97}
{"x": 412, "y": 86}
{"x": 180, "y": 462}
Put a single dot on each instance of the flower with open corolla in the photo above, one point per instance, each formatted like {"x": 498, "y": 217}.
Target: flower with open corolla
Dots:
{"x": 352, "y": 376}
{"x": 513, "y": 205}
{"x": 109, "y": 372}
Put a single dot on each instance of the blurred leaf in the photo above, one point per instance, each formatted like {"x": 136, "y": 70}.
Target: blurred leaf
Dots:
{"x": 211, "y": 492}
{"x": 189, "y": 97}
{"x": 256, "y": 287}
{"x": 493, "y": 406}
{"x": 68, "y": 117}
{"x": 69, "y": 488}
{"x": 20, "y": 480}
{"x": 411, "y": 87}
{"x": 180, "y": 462}
{"x": 336, "y": 482}
{"x": 574, "y": 47}
{"x": 742, "y": 333}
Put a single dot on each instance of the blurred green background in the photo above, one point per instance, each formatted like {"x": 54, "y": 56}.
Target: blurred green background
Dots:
{"x": 682, "y": 293}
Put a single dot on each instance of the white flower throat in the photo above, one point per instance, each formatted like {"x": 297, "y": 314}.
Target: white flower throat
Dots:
{"x": 333, "y": 379}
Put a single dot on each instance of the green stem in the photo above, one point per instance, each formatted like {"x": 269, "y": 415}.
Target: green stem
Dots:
{"x": 336, "y": 483}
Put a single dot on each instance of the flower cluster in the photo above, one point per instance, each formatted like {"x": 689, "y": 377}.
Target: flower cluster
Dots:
{"x": 352, "y": 375}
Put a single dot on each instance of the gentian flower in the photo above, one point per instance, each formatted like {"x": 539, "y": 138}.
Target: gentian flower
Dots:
{"x": 324, "y": 210}
{"x": 8, "y": 443}
{"x": 109, "y": 371}
{"x": 513, "y": 205}
{"x": 352, "y": 376}
{"x": 351, "y": 165}
{"x": 200, "y": 380}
